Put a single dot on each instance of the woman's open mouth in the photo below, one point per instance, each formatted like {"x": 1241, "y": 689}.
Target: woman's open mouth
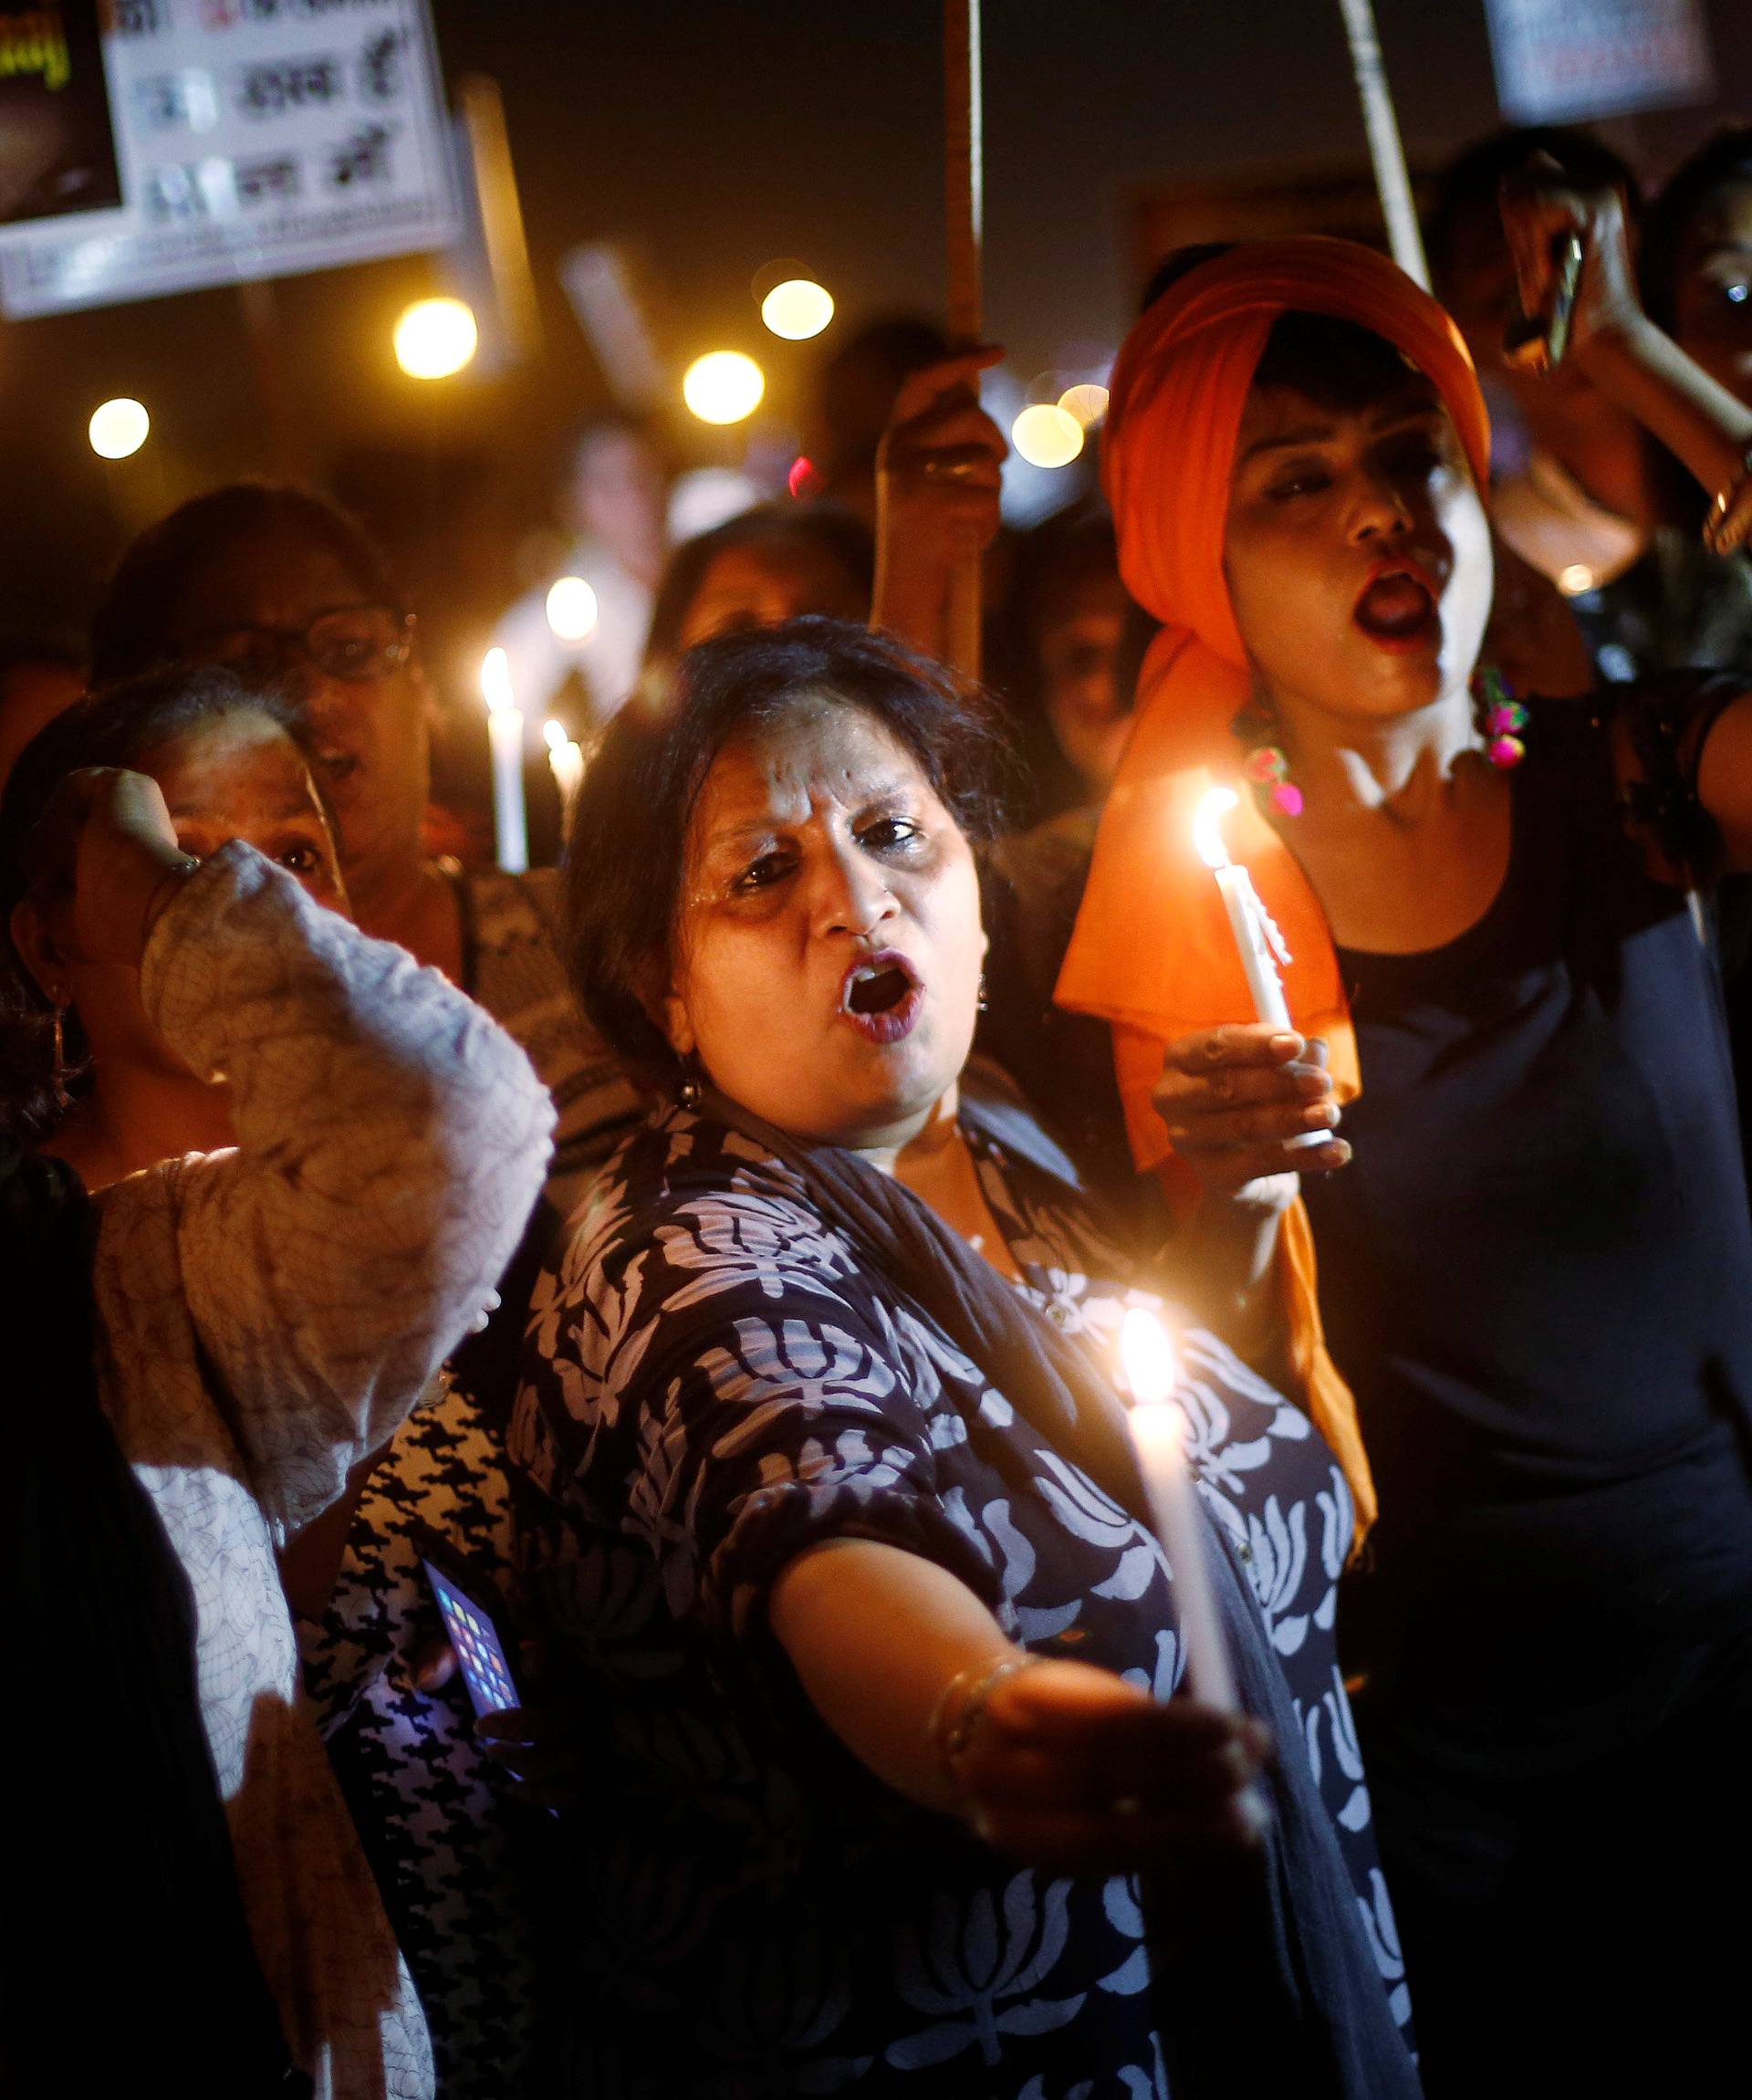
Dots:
{"x": 882, "y": 996}
{"x": 1399, "y": 607}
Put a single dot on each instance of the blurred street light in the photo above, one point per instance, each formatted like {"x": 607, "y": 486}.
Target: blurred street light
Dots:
{"x": 1086, "y": 402}
{"x": 435, "y": 338}
{"x": 1047, "y": 435}
{"x": 118, "y": 428}
{"x": 572, "y": 609}
{"x": 723, "y": 387}
{"x": 798, "y": 309}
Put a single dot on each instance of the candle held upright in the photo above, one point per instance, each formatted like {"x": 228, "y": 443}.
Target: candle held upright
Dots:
{"x": 1158, "y": 1439}
{"x": 1257, "y": 936}
{"x": 504, "y": 732}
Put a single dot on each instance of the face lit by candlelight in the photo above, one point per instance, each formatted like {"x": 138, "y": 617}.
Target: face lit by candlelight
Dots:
{"x": 826, "y": 966}
{"x": 1357, "y": 554}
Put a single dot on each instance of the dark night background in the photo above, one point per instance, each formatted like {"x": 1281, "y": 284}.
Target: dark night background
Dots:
{"x": 713, "y": 137}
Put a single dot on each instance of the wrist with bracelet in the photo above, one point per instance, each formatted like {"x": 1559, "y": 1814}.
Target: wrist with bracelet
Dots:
{"x": 961, "y": 1706}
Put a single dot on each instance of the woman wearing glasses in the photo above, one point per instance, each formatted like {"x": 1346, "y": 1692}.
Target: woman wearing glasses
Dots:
{"x": 278, "y": 581}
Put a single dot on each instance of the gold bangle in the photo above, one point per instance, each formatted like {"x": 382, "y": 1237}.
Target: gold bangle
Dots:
{"x": 1729, "y": 523}
{"x": 960, "y": 1706}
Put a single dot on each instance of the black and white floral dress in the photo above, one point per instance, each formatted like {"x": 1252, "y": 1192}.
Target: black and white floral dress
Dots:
{"x": 712, "y": 1384}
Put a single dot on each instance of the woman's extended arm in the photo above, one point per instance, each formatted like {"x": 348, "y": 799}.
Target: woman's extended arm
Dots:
{"x": 1612, "y": 341}
{"x": 391, "y": 1142}
{"x": 1065, "y": 1766}
{"x": 1623, "y": 351}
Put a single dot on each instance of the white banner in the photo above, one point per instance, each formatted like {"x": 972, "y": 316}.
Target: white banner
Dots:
{"x": 259, "y": 138}
{"x": 1563, "y": 61}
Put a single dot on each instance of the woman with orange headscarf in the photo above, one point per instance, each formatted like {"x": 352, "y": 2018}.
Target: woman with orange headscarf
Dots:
{"x": 1535, "y": 1253}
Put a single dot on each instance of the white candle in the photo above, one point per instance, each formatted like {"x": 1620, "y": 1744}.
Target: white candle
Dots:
{"x": 1256, "y": 932}
{"x": 565, "y": 758}
{"x": 505, "y": 732}
{"x": 1158, "y": 1436}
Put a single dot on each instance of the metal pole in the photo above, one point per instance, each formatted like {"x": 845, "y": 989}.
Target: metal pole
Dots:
{"x": 1385, "y": 150}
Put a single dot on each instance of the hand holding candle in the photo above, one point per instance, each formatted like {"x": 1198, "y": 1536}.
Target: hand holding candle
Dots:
{"x": 1256, "y": 937}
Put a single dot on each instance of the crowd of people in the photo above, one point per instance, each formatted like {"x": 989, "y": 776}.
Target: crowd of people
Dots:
{"x": 706, "y": 1260}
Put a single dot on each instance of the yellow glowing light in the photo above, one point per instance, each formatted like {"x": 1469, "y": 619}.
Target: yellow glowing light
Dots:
{"x": 798, "y": 309}
{"x": 1207, "y": 826}
{"x": 435, "y": 338}
{"x": 723, "y": 386}
{"x": 572, "y": 609}
{"x": 118, "y": 428}
{"x": 495, "y": 682}
{"x": 1572, "y": 581}
{"x": 1047, "y": 435}
{"x": 1147, "y": 1356}
{"x": 1087, "y": 403}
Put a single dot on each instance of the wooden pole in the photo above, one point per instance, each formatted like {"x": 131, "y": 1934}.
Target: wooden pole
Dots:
{"x": 965, "y": 197}
{"x": 1385, "y": 147}
{"x": 501, "y": 210}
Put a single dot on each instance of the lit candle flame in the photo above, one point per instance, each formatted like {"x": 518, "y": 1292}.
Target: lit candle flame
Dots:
{"x": 555, "y": 732}
{"x": 1207, "y": 834}
{"x": 1147, "y": 1356}
{"x": 495, "y": 682}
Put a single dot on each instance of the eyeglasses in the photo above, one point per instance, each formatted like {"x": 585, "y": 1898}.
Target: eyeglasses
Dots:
{"x": 355, "y": 642}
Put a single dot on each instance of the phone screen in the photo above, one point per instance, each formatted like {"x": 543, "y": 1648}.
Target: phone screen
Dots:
{"x": 486, "y": 1670}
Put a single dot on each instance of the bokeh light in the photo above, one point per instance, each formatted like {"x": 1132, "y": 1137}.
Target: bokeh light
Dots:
{"x": 1576, "y": 579}
{"x": 572, "y": 609}
{"x": 724, "y": 386}
{"x": 1047, "y": 435}
{"x": 798, "y": 309}
{"x": 435, "y": 338}
{"x": 1086, "y": 402}
{"x": 118, "y": 428}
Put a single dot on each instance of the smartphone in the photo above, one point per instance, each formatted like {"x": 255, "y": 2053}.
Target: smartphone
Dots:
{"x": 475, "y": 1620}
{"x": 1540, "y": 342}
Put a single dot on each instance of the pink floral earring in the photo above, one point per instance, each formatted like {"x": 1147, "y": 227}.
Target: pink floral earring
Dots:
{"x": 1266, "y": 768}
{"x": 1501, "y": 717}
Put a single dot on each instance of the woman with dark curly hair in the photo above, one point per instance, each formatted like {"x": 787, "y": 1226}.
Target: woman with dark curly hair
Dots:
{"x": 830, "y": 1500}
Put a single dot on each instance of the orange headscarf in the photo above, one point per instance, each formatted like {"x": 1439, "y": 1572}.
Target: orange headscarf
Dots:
{"x": 1152, "y": 952}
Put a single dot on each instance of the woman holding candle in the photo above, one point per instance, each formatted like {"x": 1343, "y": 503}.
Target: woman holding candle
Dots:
{"x": 1536, "y": 1265}
{"x": 833, "y": 1508}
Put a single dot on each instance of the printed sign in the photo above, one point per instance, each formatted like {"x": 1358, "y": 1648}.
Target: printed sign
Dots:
{"x": 57, "y": 150}
{"x": 1563, "y": 61}
{"x": 259, "y": 138}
